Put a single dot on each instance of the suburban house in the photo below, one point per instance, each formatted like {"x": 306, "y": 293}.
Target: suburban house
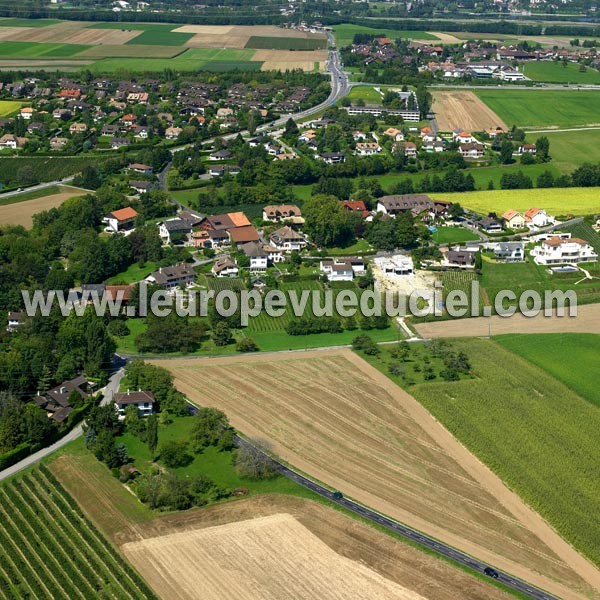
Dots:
{"x": 337, "y": 270}
{"x": 392, "y": 205}
{"x": 527, "y": 149}
{"x": 121, "y": 220}
{"x": 394, "y": 133}
{"x": 283, "y": 212}
{"x": 471, "y": 150}
{"x": 8, "y": 140}
{"x": 556, "y": 251}
{"x": 537, "y": 217}
{"x": 172, "y": 133}
{"x": 220, "y": 170}
{"x": 140, "y": 168}
{"x": 356, "y": 206}
{"x": 259, "y": 257}
{"x": 141, "y": 187}
{"x": 514, "y": 219}
{"x": 244, "y": 234}
{"x": 489, "y": 225}
{"x": 225, "y": 266}
{"x": 463, "y": 137}
{"x": 142, "y": 400}
{"x": 460, "y": 258}
{"x": 332, "y": 157}
{"x": 57, "y": 403}
{"x": 286, "y": 239}
{"x": 172, "y": 277}
{"x": 78, "y": 128}
{"x": 15, "y": 320}
{"x": 509, "y": 251}
{"x": 174, "y": 230}
{"x": 367, "y": 148}
{"x": 410, "y": 149}
{"x": 26, "y": 113}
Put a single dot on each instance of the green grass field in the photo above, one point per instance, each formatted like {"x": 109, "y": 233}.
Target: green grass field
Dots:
{"x": 570, "y": 149}
{"x": 452, "y": 235}
{"x": 133, "y": 274}
{"x": 285, "y": 43}
{"x": 570, "y": 357}
{"x": 555, "y": 72}
{"x": 51, "y": 550}
{"x": 8, "y": 107}
{"x": 365, "y": 92}
{"x": 544, "y": 109}
{"x": 556, "y": 201}
{"x": 32, "y": 50}
{"x": 538, "y": 435}
{"x": 344, "y": 33}
{"x": 135, "y": 26}
{"x": 28, "y": 22}
{"x": 161, "y": 37}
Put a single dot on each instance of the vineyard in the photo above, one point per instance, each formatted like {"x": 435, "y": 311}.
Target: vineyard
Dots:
{"x": 220, "y": 284}
{"x": 50, "y": 549}
{"x": 459, "y": 280}
{"x": 586, "y": 232}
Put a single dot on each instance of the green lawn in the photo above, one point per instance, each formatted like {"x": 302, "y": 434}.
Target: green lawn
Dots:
{"x": 358, "y": 247}
{"x": 570, "y": 357}
{"x": 134, "y": 273}
{"x": 160, "y": 37}
{"x": 556, "y": 72}
{"x": 452, "y": 235}
{"x": 543, "y": 108}
{"x": 344, "y": 33}
{"x": 28, "y": 22}
{"x": 538, "y": 435}
{"x": 366, "y": 93}
{"x": 556, "y": 201}
{"x": 570, "y": 149}
{"x": 8, "y": 107}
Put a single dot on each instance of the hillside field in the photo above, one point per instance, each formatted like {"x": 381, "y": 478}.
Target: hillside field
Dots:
{"x": 570, "y": 357}
{"x": 553, "y": 455}
{"x": 544, "y": 108}
{"x": 551, "y": 71}
{"x": 556, "y": 201}
{"x": 338, "y": 419}
{"x": 570, "y": 149}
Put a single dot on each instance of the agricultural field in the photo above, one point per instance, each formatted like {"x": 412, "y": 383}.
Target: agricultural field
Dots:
{"x": 554, "y": 449}
{"x": 338, "y": 419}
{"x": 460, "y": 280}
{"x": 557, "y": 201}
{"x": 9, "y": 107}
{"x": 569, "y": 357}
{"x": 263, "y": 557}
{"x": 345, "y": 32}
{"x": 456, "y": 109}
{"x": 15, "y": 22}
{"x": 286, "y": 43}
{"x": 570, "y": 149}
{"x": 34, "y": 50}
{"x": 556, "y": 72}
{"x": 51, "y": 550}
{"x": 20, "y": 212}
{"x": 547, "y": 109}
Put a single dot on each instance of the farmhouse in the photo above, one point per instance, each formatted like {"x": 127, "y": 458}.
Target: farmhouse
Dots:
{"x": 514, "y": 219}
{"x": 172, "y": 277}
{"x": 120, "y": 220}
{"x": 282, "y": 212}
{"x": 242, "y": 235}
{"x": 556, "y": 251}
{"x": 142, "y": 400}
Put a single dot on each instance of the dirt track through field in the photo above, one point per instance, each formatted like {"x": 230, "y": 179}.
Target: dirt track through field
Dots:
{"x": 265, "y": 558}
{"x": 21, "y": 213}
{"x": 586, "y": 321}
{"x": 463, "y": 110}
{"x": 341, "y": 421}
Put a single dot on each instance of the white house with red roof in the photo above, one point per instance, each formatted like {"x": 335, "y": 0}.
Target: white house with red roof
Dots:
{"x": 537, "y": 217}
{"x": 120, "y": 220}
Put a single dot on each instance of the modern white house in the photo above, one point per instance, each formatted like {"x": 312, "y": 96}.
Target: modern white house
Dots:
{"x": 120, "y": 220}
{"x": 142, "y": 400}
{"x": 537, "y": 217}
{"x": 259, "y": 257}
{"x": 287, "y": 239}
{"x": 396, "y": 265}
{"x": 342, "y": 269}
{"x": 557, "y": 251}
{"x": 509, "y": 251}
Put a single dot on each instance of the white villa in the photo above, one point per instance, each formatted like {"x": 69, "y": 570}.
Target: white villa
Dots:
{"x": 557, "y": 251}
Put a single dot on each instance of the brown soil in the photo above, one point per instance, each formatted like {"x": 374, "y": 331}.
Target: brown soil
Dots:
{"x": 463, "y": 110}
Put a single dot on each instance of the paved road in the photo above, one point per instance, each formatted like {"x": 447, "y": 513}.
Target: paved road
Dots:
{"x": 40, "y": 186}
{"x": 405, "y": 531}
{"x": 111, "y": 387}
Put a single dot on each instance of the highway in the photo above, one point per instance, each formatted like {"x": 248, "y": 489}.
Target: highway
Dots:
{"x": 405, "y": 531}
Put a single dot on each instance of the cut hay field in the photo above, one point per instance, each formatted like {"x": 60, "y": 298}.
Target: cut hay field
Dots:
{"x": 463, "y": 110}
{"x": 21, "y": 213}
{"x": 557, "y": 201}
{"x": 570, "y": 357}
{"x": 345, "y": 32}
{"x": 341, "y": 421}
{"x": 266, "y": 557}
{"x": 549, "y": 109}
{"x": 556, "y": 72}
{"x": 570, "y": 149}
{"x": 8, "y": 107}
{"x": 531, "y": 429}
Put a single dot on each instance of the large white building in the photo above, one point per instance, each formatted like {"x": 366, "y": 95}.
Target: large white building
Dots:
{"x": 397, "y": 265}
{"x": 557, "y": 251}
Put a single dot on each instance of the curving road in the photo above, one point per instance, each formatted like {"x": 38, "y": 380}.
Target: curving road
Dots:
{"x": 404, "y": 530}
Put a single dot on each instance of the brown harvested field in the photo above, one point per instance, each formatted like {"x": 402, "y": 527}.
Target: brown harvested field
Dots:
{"x": 456, "y": 109}
{"x": 71, "y": 32}
{"x": 21, "y": 213}
{"x": 235, "y": 36}
{"x": 341, "y": 421}
{"x": 272, "y": 557}
{"x": 133, "y": 51}
{"x": 286, "y": 59}
{"x": 444, "y": 38}
{"x": 8, "y": 33}
{"x": 586, "y": 321}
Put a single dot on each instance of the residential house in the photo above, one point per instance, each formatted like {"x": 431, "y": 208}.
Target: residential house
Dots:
{"x": 489, "y": 225}
{"x": 120, "y": 220}
{"x": 337, "y": 270}
{"x": 537, "y": 217}
{"x": 394, "y": 133}
{"x": 398, "y": 265}
{"x": 471, "y": 150}
{"x": 410, "y": 149}
{"x": 58, "y": 143}
{"x": 514, "y": 219}
{"x": 174, "y": 231}
{"x": 57, "y": 402}
{"x": 8, "y": 140}
{"x": 119, "y": 142}
{"x": 460, "y": 258}
{"x": 26, "y": 113}
{"x": 509, "y": 251}
{"x": 367, "y": 148}
{"x": 141, "y": 168}
{"x": 463, "y": 137}
{"x": 528, "y": 149}
{"x": 223, "y": 154}
{"x": 172, "y": 277}
{"x": 556, "y": 251}
{"x": 172, "y": 133}
{"x": 287, "y": 240}
{"x": 141, "y": 187}
{"x": 392, "y": 205}
{"x": 15, "y": 320}
{"x": 356, "y": 206}
{"x": 332, "y": 157}
{"x": 259, "y": 257}
{"x": 282, "y": 212}
{"x": 142, "y": 400}
{"x": 242, "y": 235}
{"x": 220, "y": 170}
{"x": 77, "y": 128}
{"x": 225, "y": 266}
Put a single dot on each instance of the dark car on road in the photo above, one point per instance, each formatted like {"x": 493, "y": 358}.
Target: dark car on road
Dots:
{"x": 338, "y": 495}
{"x": 491, "y": 572}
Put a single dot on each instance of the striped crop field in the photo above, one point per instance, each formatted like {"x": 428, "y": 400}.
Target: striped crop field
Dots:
{"x": 51, "y": 550}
